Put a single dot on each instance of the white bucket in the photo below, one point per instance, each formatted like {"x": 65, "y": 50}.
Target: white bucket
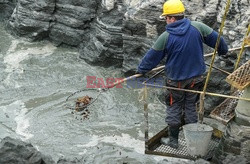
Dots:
{"x": 197, "y": 137}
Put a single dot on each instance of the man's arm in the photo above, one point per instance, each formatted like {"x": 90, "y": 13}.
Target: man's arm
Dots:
{"x": 210, "y": 37}
{"x": 154, "y": 55}
{"x": 210, "y": 40}
{"x": 150, "y": 60}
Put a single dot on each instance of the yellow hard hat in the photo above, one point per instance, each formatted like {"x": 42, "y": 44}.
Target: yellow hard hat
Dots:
{"x": 172, "y": 7}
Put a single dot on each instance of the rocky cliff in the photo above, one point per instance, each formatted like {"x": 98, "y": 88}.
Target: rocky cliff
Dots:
{"x": 13, "y": 151}
{"x": 6, "y": 9}
{"x": 116, "y": 31}
{"x": 16, "y": 151}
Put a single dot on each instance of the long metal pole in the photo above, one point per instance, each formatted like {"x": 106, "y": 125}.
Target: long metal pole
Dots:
{"x": 202, "y": 96}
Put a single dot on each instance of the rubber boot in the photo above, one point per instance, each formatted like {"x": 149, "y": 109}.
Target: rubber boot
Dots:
{"x": 172, "y": 140}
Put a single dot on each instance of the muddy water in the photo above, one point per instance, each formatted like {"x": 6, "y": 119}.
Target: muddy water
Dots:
{"x": 36, "y": 78}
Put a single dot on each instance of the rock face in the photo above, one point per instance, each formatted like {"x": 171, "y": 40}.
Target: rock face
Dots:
{"x": 235, "y": 141}
{"x": 6, "y": 8}
{"x": 13, "y": 151}
{"x": 119, "y": 32}
{"x": 63, "y": 22}
{"x": 16, "y": 151}
{"x": 71, "y": 21}
{"x": 31, "y": 19}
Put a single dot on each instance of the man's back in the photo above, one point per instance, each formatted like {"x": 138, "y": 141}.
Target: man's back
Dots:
{"x": 184, "y": 51}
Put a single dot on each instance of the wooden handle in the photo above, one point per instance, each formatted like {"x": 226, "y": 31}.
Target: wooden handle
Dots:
{"x": 133, "y": 76}
{"x": 123, "y": 80}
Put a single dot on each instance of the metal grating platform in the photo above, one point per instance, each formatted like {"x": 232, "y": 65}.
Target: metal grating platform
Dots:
{"x": 156, "y": 148}
{"x": 240, "y": 78}
{"x": 224, "y": 112}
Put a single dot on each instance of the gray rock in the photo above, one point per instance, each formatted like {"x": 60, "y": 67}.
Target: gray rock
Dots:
{"x": 6, "y": 9}
{"x": 72, "y": 21}
{"x": 234, "y": 142}
{"x": 60, "y": 34}
{"x": 232, "y": 159}
{"x": 32, "y": 19}
{"x": 105, "y": 44}
{"x": 16, "y": 151}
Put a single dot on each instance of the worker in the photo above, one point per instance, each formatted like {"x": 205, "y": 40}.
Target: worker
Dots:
{"x": 181, "y": 44}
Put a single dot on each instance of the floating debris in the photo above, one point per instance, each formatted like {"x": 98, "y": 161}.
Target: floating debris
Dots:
{"x": 82, "y": 102}
{"x": 81, "y": 107}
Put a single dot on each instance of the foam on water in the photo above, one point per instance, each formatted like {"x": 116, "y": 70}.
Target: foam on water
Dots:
{"x": 13, "y": 117}
{"x": 22, "y": 122}
{"x": 125, "y": 140}
{"x": 19, "y": 51}
{"x": 14, "y": 55}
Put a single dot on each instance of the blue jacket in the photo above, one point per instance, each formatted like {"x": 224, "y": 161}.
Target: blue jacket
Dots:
{"x": 182, "y": 45}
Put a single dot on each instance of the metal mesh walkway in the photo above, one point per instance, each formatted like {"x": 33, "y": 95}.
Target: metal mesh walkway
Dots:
{"x": 155, "y": 147}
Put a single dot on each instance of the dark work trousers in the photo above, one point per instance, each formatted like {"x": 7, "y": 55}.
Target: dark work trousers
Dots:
{"x": 180, "y": 102}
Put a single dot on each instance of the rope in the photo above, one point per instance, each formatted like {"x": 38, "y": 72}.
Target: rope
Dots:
{"x": 219, "y": 69}
{"x": 200, "y": 92}
{"x": 202, "y": 96}
{"x": 145, "y": 97}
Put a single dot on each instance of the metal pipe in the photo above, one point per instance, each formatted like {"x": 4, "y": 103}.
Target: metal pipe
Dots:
{"x": 202, "y": 96}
